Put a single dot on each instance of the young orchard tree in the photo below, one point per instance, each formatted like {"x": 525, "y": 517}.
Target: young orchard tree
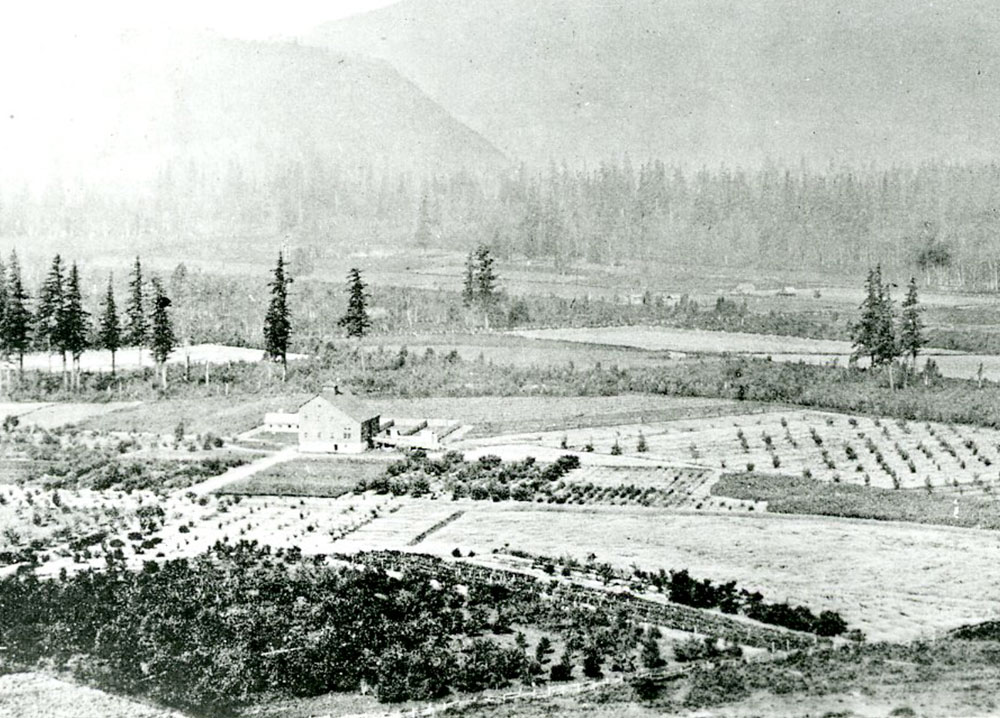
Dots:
{"x": 911, "y": 326}
{"x": 136, "y": 326}
{"x": 17, "y": 318}
{"x": 49, "y": 314}
{"x": 355, "y": 321}
{"x": 161, "y": 336}
{"x": 109, "y": 330}
{"x": 277, "y": 321}
{"x": 73, "y": 323}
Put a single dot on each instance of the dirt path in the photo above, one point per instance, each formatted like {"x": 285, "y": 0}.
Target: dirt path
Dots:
{"x": 241, "y": 472}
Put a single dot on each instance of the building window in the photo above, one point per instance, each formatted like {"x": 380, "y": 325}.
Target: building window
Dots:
{"x": 347, "y": 433}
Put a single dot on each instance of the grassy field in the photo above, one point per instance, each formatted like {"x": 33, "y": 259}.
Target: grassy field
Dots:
{"x": 51, "y": 415}
{"x": 328, "y": 478}
{"x": 894, "y": 581}
{"x": 495, "y": 415}
{"x": 795, "y": 495}
{"x": 36, "y": 694}
{"x": 664, "y": 340}
{"x": 941, "y": 678}
{"x": 689, "y": 340}
{"x": 221, "y": 415}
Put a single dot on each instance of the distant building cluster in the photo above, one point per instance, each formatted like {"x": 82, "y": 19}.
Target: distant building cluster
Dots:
{"x": 335, "y": 421}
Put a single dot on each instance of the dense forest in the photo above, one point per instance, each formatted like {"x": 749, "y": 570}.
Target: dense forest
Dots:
{"x": 938, "y": 221}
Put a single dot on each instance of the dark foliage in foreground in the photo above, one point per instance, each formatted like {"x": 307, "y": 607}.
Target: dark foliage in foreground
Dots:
{"x": 213, "y": 632}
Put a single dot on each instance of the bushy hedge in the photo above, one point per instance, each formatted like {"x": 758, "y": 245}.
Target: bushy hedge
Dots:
{"x": 485, "y": 478}
{"x": 681, "y": 588}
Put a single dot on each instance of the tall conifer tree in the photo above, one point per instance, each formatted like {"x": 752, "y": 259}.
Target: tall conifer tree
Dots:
{"x": 17, "y": 318}
{"x": 109, "y": 331}
{"x": 469, "y": 286}
{"x": 73, "y": 322}
{"x": 161, "y": 335}
{"x": 911, "y": 326}
{"x": 49, "y": 314}
{"x": 278, "y": 321}
{"x": 355, "y": 321}
{"x": 136, "y": 326}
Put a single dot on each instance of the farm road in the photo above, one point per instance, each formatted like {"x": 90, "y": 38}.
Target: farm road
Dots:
{"x": 241, "y": 472}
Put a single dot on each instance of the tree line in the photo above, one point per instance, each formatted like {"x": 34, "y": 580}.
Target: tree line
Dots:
{"x": 936, "y": 220}
{"x": 55, "y": 321}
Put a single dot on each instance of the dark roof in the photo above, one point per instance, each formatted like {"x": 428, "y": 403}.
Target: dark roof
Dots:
{"x": 348, "y": 403}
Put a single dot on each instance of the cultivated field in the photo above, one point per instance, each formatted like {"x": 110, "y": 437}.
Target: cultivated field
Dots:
{"x": 826, "y": 446}
{"x": 894, "y": 581}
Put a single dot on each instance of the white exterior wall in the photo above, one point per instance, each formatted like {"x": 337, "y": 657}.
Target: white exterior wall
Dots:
{"x": 325, "y": 429}
{"x": 278, "y": 421}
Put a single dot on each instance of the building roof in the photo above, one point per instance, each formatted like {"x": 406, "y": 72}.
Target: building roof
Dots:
{"x": 347, "y": 402}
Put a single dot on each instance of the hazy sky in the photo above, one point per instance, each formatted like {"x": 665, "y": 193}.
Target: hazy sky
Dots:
{"x": 51, "y": 49}
{"x": 245, "y": 18}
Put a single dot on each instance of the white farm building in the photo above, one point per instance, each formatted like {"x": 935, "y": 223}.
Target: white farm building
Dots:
{"x": 336, "y": 421}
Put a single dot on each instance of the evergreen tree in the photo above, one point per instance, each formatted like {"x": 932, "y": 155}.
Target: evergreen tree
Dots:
{"x": 863, "y": 332}
{"x": 911, "y": 326}
{"x": 73, "y": 322}
{"x": 136, "y": 326}
{"x": 874, "y": 334}
{"x": 355, "y": 321}
{"x": 17, "y": 318}
{"x": 486, "y": 276}
{"x": 161, "y": 336}
{"x": 469, "y": 287}
{"x": 277, "y": 321}
{"x": 886, "y": 345}
{"x": 3, "y": 296}
{"x": 109, "y": 331}
{"x": 49, "y": 314}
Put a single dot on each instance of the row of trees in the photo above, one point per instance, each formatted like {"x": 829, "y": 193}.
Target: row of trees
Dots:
{"x": 481, "y": 288}
{"x": 57, "y": 322}
{"x": 879, "y": 334}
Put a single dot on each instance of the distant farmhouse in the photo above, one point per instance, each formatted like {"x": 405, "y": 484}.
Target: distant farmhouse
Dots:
{"x": 335, "y": 421}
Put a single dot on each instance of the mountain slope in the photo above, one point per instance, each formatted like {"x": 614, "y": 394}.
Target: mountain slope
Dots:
{"x": 127, "y": 108}
{"x": 702, "y": 80}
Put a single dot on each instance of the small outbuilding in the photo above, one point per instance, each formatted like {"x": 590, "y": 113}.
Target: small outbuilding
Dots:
{"x": 336, "y": 421}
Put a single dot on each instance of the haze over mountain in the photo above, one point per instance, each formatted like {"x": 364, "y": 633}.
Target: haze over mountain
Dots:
{"x": 128, "y": 107}
{"x": 702, "y": 81}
